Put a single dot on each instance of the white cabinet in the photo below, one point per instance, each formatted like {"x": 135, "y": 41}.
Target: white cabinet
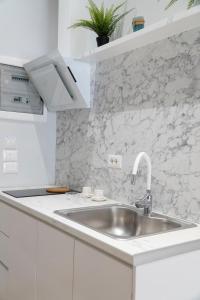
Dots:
{"x": 3, "y": 282}
{"x": 22, "y": 256}
{"x": 36, "y": 260}
{"x": 54, "y": 264}
{"x": 172, "y": 278}
{"x": 40, "y": 262}
{"x": 4, "y": 218}
{"x": 4, "y": 249}
{"x": 98, "y": 276}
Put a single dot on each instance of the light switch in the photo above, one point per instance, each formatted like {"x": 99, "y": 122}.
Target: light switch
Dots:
{"x": 10, "y": 167}
{"x": 10, "y": 155}
{"x": 10, "y": 142}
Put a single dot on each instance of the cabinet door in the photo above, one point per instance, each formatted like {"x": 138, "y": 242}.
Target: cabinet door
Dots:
{"x": 98, "y": 276}
{"x": 4, "y": 249}
{"x": 3, "y": 282}
{"x": 54, "y": 264}
{"x": 22, "y": 257}
{"x": 5, "y": 218}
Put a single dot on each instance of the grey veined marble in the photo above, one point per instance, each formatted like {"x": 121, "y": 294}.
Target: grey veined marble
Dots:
{"x": 144, "y": 100}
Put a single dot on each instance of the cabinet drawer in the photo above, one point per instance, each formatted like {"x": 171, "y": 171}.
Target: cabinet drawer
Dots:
{"x": 4, "y": 242}
{"x": 5, "y": 218}
{"x": 3, "y": 282}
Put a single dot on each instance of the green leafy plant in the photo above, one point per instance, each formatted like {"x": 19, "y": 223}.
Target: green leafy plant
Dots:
{"x": 103, "y": 20}
{"x": 190, "y": 3}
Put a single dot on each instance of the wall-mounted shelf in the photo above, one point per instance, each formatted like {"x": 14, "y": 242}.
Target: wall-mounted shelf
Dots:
{"x": 166, "y": 28}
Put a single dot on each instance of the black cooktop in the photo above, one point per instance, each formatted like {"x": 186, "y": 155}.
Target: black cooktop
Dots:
{"x": 34, "y": 193}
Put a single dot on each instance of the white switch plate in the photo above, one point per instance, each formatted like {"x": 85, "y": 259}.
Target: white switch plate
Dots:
{"x": 115, "y": 161}
{"x": 10, "y": 142}
{"x": 10, "y": 167}
{"x": 10, "y": 155}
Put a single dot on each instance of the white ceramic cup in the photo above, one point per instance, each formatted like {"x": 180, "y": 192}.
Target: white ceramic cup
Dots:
{"x": 87, "y": 191}
{"x": 98, "y": 194}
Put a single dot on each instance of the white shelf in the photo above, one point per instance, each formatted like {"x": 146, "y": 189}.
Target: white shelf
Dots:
{"x": 166, "y": 28}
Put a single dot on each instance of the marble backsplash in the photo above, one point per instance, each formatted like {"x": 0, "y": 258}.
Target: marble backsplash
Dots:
{"x": 145, "y": 100}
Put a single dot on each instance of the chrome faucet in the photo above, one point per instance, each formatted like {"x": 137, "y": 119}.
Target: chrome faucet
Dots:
{"x": 146, "y": 201}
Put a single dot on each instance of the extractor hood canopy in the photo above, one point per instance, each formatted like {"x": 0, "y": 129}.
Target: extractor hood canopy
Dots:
{"x": 61, "y": 84}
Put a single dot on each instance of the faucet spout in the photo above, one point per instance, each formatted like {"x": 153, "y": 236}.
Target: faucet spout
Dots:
{"x": 145, "y": 156}
{"x": 146, "y": 202}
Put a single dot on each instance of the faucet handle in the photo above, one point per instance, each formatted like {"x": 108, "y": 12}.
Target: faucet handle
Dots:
{"x": 145, "y": 203}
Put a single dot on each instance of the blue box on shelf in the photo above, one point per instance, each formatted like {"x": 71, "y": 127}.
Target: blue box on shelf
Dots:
{"x": 138, "y": 23}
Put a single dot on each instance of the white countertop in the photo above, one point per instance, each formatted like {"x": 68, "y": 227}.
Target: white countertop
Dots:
{"x": 134, "y": 252}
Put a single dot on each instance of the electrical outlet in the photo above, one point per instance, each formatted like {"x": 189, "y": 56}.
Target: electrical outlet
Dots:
{"x": 115, "y": 161}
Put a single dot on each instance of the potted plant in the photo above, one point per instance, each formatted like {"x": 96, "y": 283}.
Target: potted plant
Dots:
{"x": 103, "y": 21}
{"x": 190, "y": 3}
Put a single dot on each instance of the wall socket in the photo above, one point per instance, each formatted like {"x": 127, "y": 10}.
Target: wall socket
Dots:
{"x": 115, "y": 161}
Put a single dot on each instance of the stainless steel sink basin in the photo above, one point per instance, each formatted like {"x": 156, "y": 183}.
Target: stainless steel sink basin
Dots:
{"x": 122, "y": 222}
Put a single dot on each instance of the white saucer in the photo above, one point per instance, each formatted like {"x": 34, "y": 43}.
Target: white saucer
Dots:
{"x": 97, "y": 199}
{"x": 87, "y": 196}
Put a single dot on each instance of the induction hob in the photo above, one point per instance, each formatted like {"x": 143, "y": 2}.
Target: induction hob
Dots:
{"x": 34, "y": 193}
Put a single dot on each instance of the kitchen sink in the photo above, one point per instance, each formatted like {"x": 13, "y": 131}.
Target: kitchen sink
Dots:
{"x": 123, "y": 221}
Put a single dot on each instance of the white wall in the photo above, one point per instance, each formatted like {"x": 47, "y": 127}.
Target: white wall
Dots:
{"x": 35, "y": 143}
{"x": 72, "y": 43}
{"x": 76, "y": 42}
{"x": 152, "y": 10}
{"x": 28, "y": 28}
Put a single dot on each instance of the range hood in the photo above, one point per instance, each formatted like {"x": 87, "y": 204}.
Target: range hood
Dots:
{"x": 62, "y": 83}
